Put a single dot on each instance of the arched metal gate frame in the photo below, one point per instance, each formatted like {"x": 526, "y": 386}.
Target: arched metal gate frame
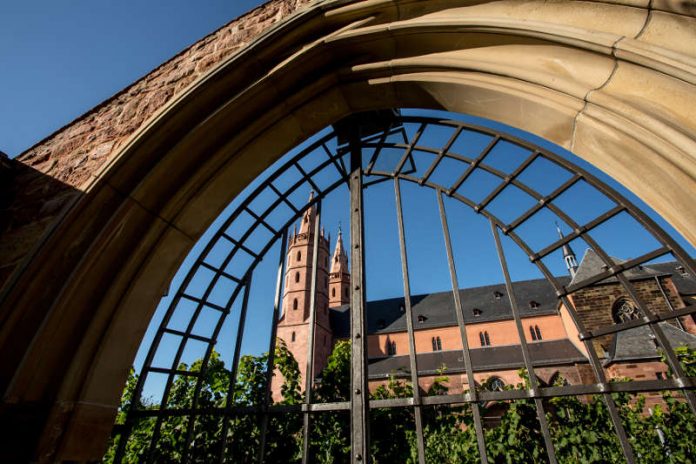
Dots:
{"x": 344, "y": 151}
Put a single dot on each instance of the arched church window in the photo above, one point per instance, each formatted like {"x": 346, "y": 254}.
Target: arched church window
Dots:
{"x": 437, "y": 344}
{"x": 484, "y": 338}
{"x": 495, "y": 384}
{"x": 624, "y": 310}
{"x": 333, "y": 292}
{"x": 538, "y": 332}
{"x": 294, "y": 303}
{"x": 532, "y": 332}
{"x": 391, "y": 348}
{"x": 299, "y": 256}
{"x": 297, "y": 277}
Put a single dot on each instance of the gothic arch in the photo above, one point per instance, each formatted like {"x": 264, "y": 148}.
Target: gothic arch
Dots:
{"x": 610, "y": 91}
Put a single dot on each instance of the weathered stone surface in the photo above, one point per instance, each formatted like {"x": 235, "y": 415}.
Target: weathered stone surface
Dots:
{"x": 72, "y": 155}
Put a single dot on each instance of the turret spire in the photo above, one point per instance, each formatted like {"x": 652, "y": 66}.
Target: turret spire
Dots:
{"x": 568, "y": 255}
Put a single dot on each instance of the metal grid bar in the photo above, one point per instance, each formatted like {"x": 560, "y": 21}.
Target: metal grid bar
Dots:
{"x": 577, "y": 233}
{"x": 235, "y": 364}
{"x": 409, "y": 150}
{"x": 637, "y": 386}
{"x": 473, "y": 394}
{"x": 541, "y": 202}
{"x": 309, "y": 371}
{"x": 277, "y": 301}
{"x": 359, "y": 423}
{"x": 441, "y": 155}
{"x": 458, "y": 183}
{"x": 541, "y": 413}
{"x": 506, "y": 181}
{"x": 667, "y": 301}
{"x": 413, "y": 363}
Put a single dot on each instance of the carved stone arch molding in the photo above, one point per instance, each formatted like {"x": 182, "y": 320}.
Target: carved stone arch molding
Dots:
{"x": 614, "y": 82}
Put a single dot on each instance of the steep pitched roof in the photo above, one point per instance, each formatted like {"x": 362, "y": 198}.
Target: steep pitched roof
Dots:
{"x": 636, "y": 344}
{"x": 591, "y": 265}
{"x": 534, "y": 297}
{"x": 550, "y": 353}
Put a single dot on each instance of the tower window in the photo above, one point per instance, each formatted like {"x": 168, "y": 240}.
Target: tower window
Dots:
{"x": 294, "y": 303}
{"x": 333, "y": 292}
{"x": 437, "y": 344}
{"x": 292, "y": 337}
{"x": 297, "y": 277}
{"x": 535, "y": 332}
{"x": 299, "y": 256}
{"x": 391, "y": 348}
{"x": 485, "y": 339}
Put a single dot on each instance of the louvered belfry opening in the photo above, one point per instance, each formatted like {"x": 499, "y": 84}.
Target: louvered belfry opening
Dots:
{"x": 274, "y": 345}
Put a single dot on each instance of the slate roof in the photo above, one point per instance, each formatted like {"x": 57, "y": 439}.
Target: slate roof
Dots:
{"x": 437, "y": 309}
{"x": 549, "y": 353}
{"x": 591, "y": 265}
{"x": 686, "y": 284}
{"x": 636, "y": 344}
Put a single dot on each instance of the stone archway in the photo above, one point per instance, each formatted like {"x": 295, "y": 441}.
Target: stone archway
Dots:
{"x": 612, "y": 82}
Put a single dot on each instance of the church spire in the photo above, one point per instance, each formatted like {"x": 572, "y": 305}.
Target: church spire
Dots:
{"x": 568, "y": 255}
{"x": 339, "y": 262}
{"x": 308, "y": 218}
{"x": 339, "y": 276}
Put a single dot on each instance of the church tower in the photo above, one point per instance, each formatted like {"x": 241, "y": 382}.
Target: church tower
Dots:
{"x": 339, "y": 278}
{"x": 294, "y": 324}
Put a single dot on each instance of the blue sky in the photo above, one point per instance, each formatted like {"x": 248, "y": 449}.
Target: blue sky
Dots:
{"x": 61, "y": 58}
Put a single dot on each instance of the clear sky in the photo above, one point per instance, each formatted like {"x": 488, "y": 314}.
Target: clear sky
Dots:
{"x": 60, "y": 58}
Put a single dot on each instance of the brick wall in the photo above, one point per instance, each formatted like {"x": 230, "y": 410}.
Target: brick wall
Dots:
{"x": 594, "y": 304}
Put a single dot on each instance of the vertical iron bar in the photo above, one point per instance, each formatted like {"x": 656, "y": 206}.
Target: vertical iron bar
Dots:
{"x": 591, "y": 353}
{"x": 271, "y": 344}
{"x": 669, "y": 303}
{"x": 462, "y": 331}
{"x": 409, "y": 325}
{"x": 534, "y": 390}
{"x": 309, "y": 371}
{"x": 359, "y": 407}
{"x": 235, "y": 365}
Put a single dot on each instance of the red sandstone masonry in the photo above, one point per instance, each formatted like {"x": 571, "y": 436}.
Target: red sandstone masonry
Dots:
{"x": 69, "y": 156}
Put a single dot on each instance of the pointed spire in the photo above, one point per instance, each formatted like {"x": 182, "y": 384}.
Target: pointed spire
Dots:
{"x": 568, "y": 254}
{"x": 308, "y": 218}
{"x": 339, "y": 262}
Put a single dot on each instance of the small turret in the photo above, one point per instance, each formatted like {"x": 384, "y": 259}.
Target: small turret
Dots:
{"x": 339, "y": 276}
{"x": 568, "y": 255}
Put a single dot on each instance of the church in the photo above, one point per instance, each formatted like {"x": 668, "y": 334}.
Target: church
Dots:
{"x": 555, "y": 348}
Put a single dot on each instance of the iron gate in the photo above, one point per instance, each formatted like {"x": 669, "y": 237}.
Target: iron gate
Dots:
{"x": 351, "y": 155}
